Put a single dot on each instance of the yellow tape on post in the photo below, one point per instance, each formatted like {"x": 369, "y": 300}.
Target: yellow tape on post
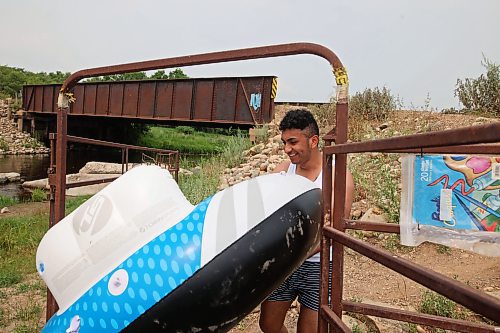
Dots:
{"x": 342, "y": 81}
{"x": 341, "y": 76}
{"x": 274, "y": 88}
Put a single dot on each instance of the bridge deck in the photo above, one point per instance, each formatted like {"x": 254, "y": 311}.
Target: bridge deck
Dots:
{"x": 229, "y": 100}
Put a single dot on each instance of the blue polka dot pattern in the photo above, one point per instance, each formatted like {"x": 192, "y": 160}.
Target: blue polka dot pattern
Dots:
{"x": 152, "y": 272}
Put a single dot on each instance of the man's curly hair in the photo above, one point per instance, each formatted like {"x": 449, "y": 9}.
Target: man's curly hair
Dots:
{"x": 301, "y": 119}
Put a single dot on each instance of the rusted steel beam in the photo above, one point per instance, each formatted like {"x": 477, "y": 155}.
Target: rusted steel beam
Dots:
{"x": 418, "y": 318}
{"x": 339, "y": 193}
{"x": 478, "y": 302}
{"x": 336, "y": 219}
{"x": 326, "y": 243}
{"x": 90, "y": 182}
{"x": 330, "y": 316}
{"x": 52, "y": 182}
{"x": 467, "y": 149}
{"x": 61, "y": 144}
{"x": 489, "y": 133}
{"x": 117, "y": 145}
{"x": 372, "y": 226}
{"x": 207, "y": 100}
{"x": 207, "y": 58}
{"x": 60, "y": 188}
{"x": 51, "y": 301}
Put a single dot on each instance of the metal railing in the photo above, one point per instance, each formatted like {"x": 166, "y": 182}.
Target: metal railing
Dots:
{"x": 167, "y": 159}
{"x": 478, "y": 140}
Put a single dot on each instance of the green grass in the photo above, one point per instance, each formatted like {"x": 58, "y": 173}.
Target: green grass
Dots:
{"x": 38, "y": 195}
{"x": 6, "y": 201}
{"x": 203, "y": 184}
{"x": 19, "y": 239}
{"x": 27, "y": 313}
{"x": 23, "y": 328}
{"x": 443, "y": 249}
{"x": 186, "y": 139}
{"x": 75, "y": 202}
{"x": 436, "y": 304}
{"x": 25, "y": 287}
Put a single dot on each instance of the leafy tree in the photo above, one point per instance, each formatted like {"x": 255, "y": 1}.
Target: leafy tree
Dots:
{"x": 158, "y": 75}
{"x": 481, "y": 94}
{"x": 175, "y": 74}
{"x": 12, "y": 79}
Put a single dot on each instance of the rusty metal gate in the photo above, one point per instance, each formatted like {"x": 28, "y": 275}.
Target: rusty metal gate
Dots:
{"x": 465, "y": 140}
{"x": 334, "y": 225}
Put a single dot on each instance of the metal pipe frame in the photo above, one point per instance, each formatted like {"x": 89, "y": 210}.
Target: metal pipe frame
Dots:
{"x": 65, "y": 96}
{"x": 207, "y": 58}
{"x": 417, "y": 318}
{"x": 328, "y": 315}
{"x": 479, "y": 302}
{"x": 489, "y": 133}
{"x": 372, "y": 226}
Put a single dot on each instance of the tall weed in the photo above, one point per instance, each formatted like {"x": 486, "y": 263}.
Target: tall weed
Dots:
{"x": 204, "y": 182}
{"x": 372, "y": 104}
{"x": 232, "y": 151}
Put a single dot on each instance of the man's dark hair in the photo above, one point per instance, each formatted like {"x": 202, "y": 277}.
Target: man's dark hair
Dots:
{"x": 301, "y": 119}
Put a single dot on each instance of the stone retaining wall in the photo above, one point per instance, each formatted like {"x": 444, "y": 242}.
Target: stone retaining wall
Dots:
{"x": 13, "y": 142}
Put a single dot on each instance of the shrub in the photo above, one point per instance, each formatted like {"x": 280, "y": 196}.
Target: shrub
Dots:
{"x": 481, "y": 94}
{"x": 325, "y": 114}
{"x": 38, "y": 195}
{"x": 185, "y": 129}
{"x": 436, "y": 304}
{"x": 372, "y": 104}
{"x": 3, "y": 144}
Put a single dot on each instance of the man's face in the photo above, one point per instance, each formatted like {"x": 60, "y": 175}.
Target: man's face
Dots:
{"x": 298, "y": 145}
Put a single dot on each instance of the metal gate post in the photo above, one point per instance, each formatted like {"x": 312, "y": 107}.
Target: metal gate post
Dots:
{"x": 65, "y": 97}
{"x": 60, "y": 184}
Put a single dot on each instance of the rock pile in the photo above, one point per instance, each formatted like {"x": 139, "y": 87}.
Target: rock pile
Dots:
{"x": 259, "y": 159}
{"x": 14, "y": 142}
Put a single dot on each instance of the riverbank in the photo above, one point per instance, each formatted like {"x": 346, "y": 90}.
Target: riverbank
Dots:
{"x": 13, "y": 141}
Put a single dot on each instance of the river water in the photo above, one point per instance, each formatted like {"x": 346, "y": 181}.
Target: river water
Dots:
{"x": 32, "y": 167}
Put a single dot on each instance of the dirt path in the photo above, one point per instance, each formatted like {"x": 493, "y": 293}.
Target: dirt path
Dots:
{"x": 368, "y": 281}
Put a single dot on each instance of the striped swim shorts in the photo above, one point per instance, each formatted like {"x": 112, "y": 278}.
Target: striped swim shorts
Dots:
{"x": 303, "y": 283}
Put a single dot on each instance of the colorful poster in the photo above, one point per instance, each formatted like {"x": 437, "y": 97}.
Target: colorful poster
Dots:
{"x": 457, "y": 192}
{"x": 451, "y": 200}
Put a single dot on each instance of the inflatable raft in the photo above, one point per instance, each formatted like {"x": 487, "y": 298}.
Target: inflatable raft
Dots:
{"x": 138, "y": 257}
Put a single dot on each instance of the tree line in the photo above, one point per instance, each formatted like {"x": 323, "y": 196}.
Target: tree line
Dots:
{"x": 12, "y": 79}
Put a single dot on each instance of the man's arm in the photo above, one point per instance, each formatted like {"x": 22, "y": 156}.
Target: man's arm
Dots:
{"x": 349, "y": 194}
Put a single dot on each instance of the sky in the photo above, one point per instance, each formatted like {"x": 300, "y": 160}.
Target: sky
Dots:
{"x": 416, "y": 48}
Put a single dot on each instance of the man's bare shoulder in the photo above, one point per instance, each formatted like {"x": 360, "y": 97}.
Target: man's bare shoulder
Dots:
{"x": 283, "y": 166}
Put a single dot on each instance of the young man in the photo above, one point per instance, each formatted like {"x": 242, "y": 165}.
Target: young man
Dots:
{"x": 300, "y": 135}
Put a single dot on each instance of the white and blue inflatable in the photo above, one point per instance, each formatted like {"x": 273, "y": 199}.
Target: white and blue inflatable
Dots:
{"x": 138, "y": 257}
